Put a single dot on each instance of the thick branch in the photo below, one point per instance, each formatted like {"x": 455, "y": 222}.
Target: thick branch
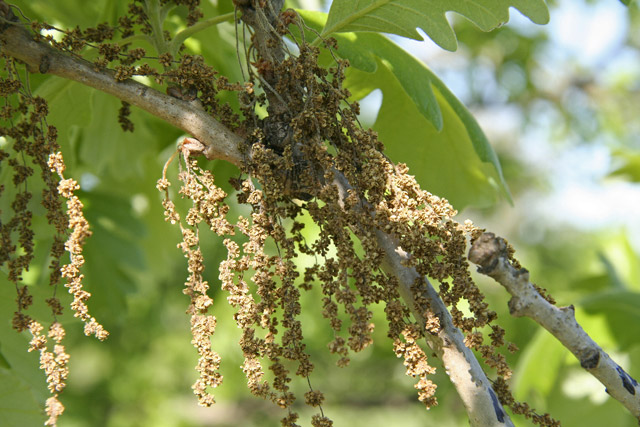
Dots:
{"x": 463, "y": 368}
{"x": 221, "y": 142}
{"x": 490, "y": 253}
{"x": 465, "y": 372}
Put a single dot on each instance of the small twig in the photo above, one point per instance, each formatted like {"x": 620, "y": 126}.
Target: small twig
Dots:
{"x": 463, "y": 368}
{"x": 491, "y": 255}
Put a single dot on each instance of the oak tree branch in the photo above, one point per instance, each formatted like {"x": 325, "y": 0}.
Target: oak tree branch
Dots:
{"x": 462, "y": 367}
{"x": 490, "y": 254}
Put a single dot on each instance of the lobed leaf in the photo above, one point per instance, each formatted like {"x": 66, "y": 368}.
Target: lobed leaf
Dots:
{"x": 402, "y": 17}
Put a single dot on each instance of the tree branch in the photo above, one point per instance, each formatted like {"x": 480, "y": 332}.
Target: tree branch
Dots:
{"x": 17, "y": 42}
{"x": 470, "y": 381}
{"x": 490, "y": 253}
{"x": 463, "y": 368}
{"x": 461, "y": 365}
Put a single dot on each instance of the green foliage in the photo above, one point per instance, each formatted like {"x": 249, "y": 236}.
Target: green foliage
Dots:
{"x": 402, "y": 17}
{"x": 620, "y": 308}
{"x": 18, "y": 405}
{"x": 533, "y": 379}
{"x": 444, "y": 161}
{"x": 630, "y": 164}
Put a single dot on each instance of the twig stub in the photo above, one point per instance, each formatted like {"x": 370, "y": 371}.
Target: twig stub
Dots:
{"x": 486, "y": 251}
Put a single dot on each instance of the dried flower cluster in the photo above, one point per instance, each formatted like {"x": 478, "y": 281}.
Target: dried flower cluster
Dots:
{"x": 74, "y": 245}
{"x": 54, "y": 365}
{"x": 296, "y": 158}
{"x": 113, "y": 44}
{"x": 198, "y": 185}
{"x": 32, "y": 144}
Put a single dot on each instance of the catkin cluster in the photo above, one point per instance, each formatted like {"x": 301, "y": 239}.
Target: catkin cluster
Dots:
{"x": 32, "y": 145}
{"x": 310, "y": 158}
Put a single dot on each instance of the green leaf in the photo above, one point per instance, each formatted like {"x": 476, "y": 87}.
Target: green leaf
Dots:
{"x": 630, "y": 164}
{"x": 626, "y": 2}
{"x": 22, "y": 384}
{"x": 444, "y": 162}
{"x": 365, "y": 50}
{"x": 402, "y": 17}
{"x": 18, "y": 404}
{"x": 621, "y": 309}
{"x": 108, "y": 151}
{"x": 4, "y": 363}
{"x": 70, "y": 107}
{"x": 102, "y": 204}
{"x": 614, "y": 278}
{"x": 591, "y": 283}
{"x": 539, "y": 366}
{"x": 421, "y": 122}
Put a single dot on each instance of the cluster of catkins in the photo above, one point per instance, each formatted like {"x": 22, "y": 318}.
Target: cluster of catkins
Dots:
{"x": 314, "y": 162}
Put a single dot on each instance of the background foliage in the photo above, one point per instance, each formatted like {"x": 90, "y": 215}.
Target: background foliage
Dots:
{"x": 533, "y": 111}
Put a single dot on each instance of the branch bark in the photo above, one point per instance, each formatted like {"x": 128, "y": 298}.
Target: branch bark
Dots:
{"x": 462, "y": 367}
{"x": 17, "y": 42}
{"x": 473, "y": 387}
{"x": 464, "y": 370}
{"x": 490, "y": 254}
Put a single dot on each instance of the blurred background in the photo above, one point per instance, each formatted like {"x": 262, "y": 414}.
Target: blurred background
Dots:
{"x": 560, "y": 104}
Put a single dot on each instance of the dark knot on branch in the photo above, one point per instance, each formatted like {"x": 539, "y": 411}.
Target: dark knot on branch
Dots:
{"x": 486, "y": 251}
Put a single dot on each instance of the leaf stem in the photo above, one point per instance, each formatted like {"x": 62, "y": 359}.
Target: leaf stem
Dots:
{"x": 157, "y": 14}
{"x": 133, "y": 38}
{"x": 181, "y": 36}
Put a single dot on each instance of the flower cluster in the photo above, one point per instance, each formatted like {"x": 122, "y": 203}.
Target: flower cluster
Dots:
{"x": 33, "y": 144}
{"x": 310, "y": 157}
{"x": 198, "y": 186}
{"x": 79, "y": 227}
{"x": 54, "y": 365}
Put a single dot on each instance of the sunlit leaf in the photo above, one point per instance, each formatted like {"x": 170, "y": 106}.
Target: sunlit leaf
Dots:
{"x": 444, "y": 162}
{"x": 402, "y": 17}
{"x": 539, "y": 365}
{"x": 621, "y": 309}
{"x": 630, "y": 165}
